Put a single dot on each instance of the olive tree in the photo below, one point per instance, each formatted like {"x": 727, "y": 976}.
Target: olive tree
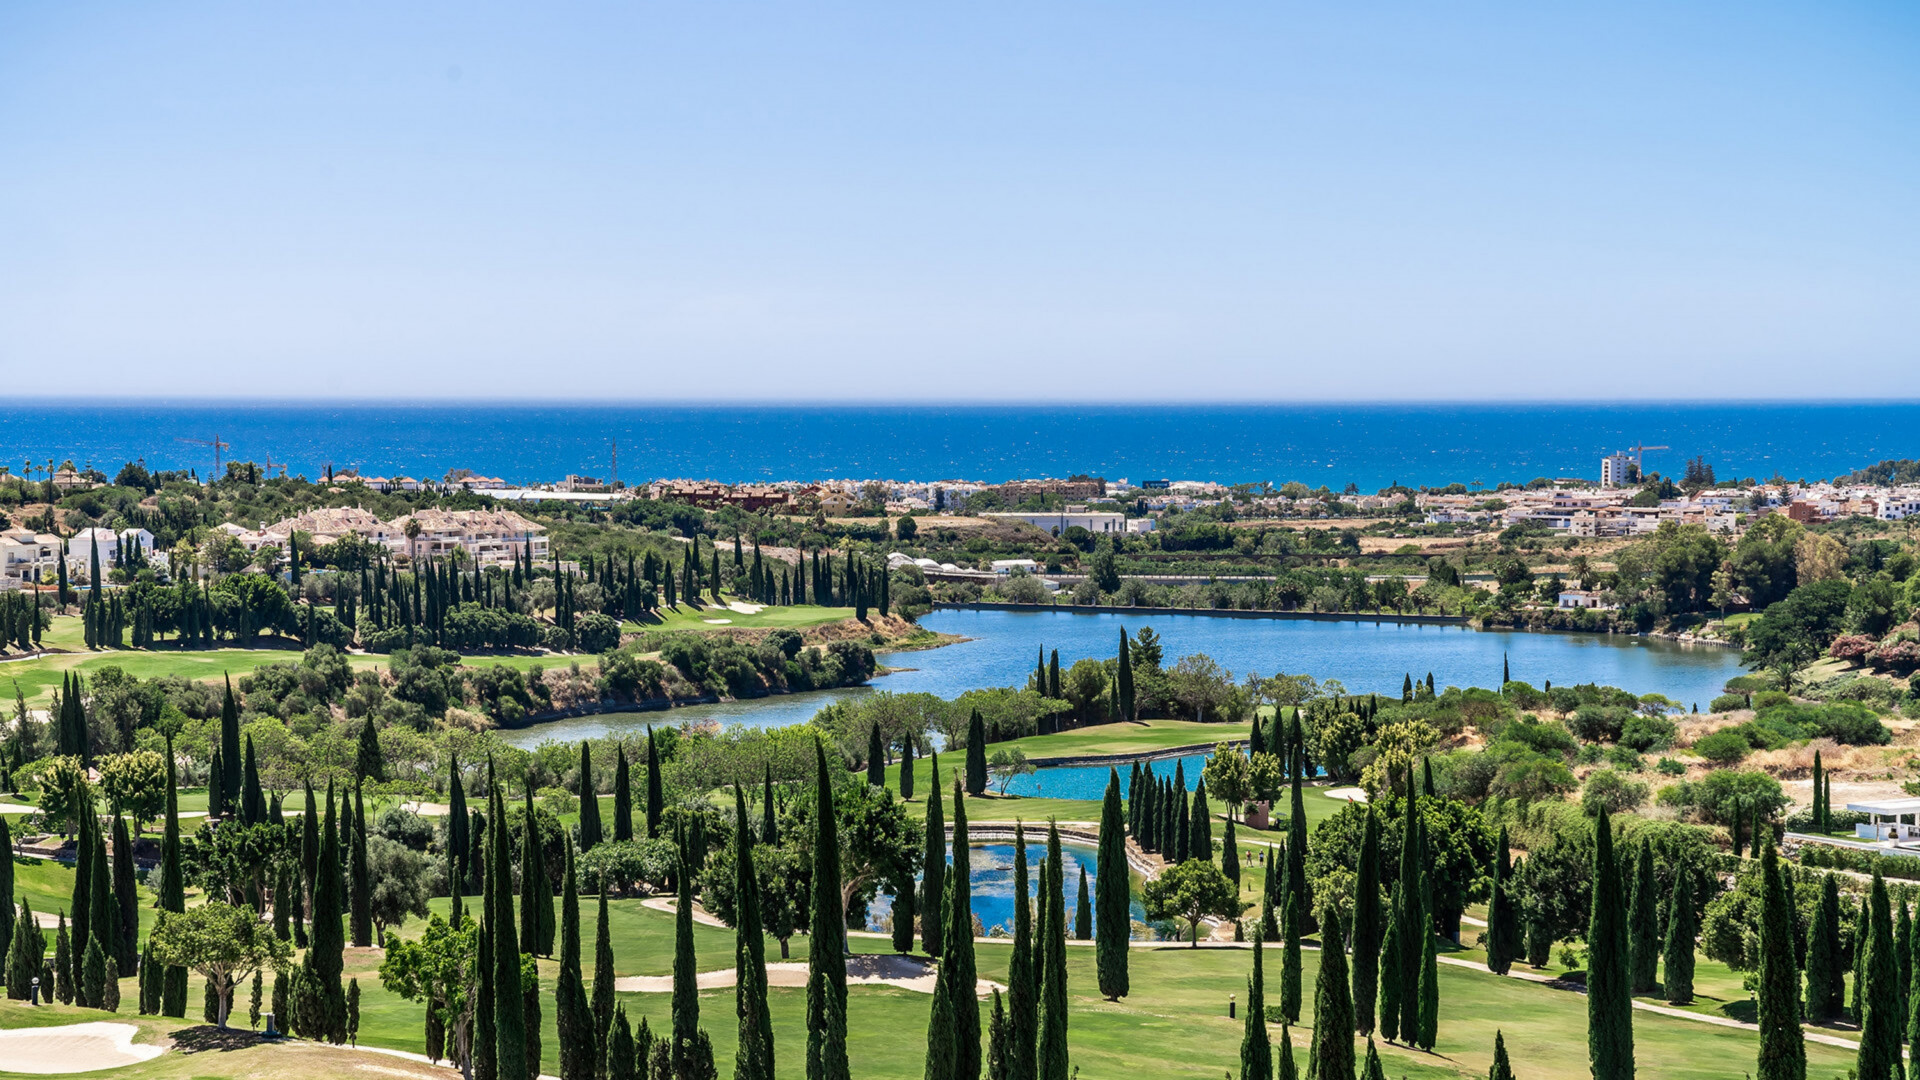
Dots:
{"x": 224, "y": 943}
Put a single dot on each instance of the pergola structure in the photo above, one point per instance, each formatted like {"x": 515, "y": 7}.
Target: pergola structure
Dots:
{"x": 1888, "y": 819}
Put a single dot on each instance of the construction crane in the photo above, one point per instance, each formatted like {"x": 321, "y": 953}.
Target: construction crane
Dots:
{"x": 1639, "y": 456}
{"x": 217, "y": 447}
{"x": 271, "y": 465}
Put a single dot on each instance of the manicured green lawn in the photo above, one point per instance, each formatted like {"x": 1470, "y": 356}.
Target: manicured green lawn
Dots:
{"x": 40, "y": 677}
{"x": 1172, "y": 1024}
{"x": 1144, "y": 737}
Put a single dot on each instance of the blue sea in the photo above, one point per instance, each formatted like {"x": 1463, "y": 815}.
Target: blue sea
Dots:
{"x": 1335, "y": 444}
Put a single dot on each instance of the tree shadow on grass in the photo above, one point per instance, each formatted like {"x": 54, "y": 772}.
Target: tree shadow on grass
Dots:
{"x": 195, "y": 1040}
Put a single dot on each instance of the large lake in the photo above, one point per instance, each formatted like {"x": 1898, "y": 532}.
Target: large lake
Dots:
{"x": 1363, "y": 656}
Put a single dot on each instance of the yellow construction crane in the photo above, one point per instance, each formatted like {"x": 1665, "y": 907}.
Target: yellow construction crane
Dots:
{"x": 1639, "y": 456}
{"x": 217, "y": 447}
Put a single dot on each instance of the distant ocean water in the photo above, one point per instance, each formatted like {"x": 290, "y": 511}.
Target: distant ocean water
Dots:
{"x": 1334, "y": 444}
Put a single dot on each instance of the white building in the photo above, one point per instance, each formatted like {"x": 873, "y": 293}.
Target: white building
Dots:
{"x": 1613, "y": 469}
{"x": 27, "y": 557}
{"x": 80, "y": 545}
{"x": 489, "y": 537}
{"x": 1005, "y": 567}
{"x": 1058, "y": 522}
{"x": 1583, "y": 598}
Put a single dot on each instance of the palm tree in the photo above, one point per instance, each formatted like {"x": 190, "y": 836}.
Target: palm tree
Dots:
{"x": 413, "y": 533}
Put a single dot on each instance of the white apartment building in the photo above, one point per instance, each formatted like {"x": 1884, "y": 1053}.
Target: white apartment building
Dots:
{"x": 1613, "y": 469}
{"x": 489, "y": 537}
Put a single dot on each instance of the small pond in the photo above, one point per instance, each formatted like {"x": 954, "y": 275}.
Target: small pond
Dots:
{"x": 992, "y": 878}
{"x": 1090, "y": 781}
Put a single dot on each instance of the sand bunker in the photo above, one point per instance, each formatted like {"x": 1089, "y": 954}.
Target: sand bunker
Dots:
{"x": 1347, "y": 794}
{"x": 717, "y": 622}
{"x": 863, "y": 969}
{"x": 74, "y": 1048}
{"x": 745, "y": 608}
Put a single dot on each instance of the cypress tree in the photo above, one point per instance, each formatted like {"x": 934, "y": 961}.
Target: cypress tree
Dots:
{"x": 7, "y": 913}
{"x": 1051, "y": 1049}
{"x": 1083, "y": 911}
{"x": 1182, "y": 817}
{"x": 769, "y": 829}
{"x": 754, "y": 1057}
{"x": 1112, "y": 911}
{"x": 1819, "y": 796}
{"x": 1230, "y": 855}
{"x": 509, "y": 1012}
{"x": 997, "y": 1047}
{"x": 361, "y": 892}
{"x": 1783, "y": 1051}
{"x": 933, "y": 872}
{"x": 686, "y": 990}
{"x": 656, "y": 801}
{"x": 369, "y": 763}
{"x": 1411, "y": 915}
{"x": 876, "y": 755}
{"x": 1123, "y": 680}
{"x": 1644, "y": 924}
{"x": 623, "y": 795}
{"x": 1825, "y": 992}
{"x": 1053, "y": 675}
{"x": 941, "y": 1057}
{"x": 1502, "y": 1068}
{"x": 229, "y": 750}
{"x": 1200, "y": 825}
{"x": 573, "y": 1016}
{"x": 104, "y": 919}
{"x": 1609, "y": 993}
{"x": 589, "y": 801}
{"x": 1269, "y": 924}
{"x": 826, "y": 959}
{"x": 536, "y": 891}
{"x": 1903, "y": 955}
{"x": 63, "y": 987}
{"x": 602, "y": 985}
{"x": 1291, "y": 925}
{"x": 93, "y": 975}
{"x": 1283, "y": 1068}
{"x": 458, "y": 837}
{"x": 957, "y": 966}
{"x": 1880, "y": 1023}
{"x": 976, "y": 755}
{"x": 1861, "y": 924}
{"x": 173, "y": 891}
{"x": 906, "y": 767}
{"x": 619, "y": 1039}
{"x": 82, "y": 898}
{"x": 1683, "y": 926}
{"x": 253, "y": 802}
{"x": 1332, "y": 1050}
{"x": 1297, "y": 839}
{"x": 1429, "y": 1032}
{"x": 1256, "y": 1052}
{"x": 1372, "y": 1070}
{"x": 1391, "y": 971}
{"x": 1502, "y": 926}
{"x": 1023, "y": 979}
{"x": 126, "y": 895}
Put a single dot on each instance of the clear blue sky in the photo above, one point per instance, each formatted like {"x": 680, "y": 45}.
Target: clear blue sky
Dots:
{"x": 1012, "y": 201}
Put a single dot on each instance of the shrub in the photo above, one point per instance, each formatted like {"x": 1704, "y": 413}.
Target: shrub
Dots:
{"x": 1647, "y": 733}
{"x": 1727, "y": 703}
{"x": 1611, "y": 792}
{"x": 1767, "y": 699}
{"x": 597, "y": 633}
{"x": 1671, "y": 767}
{"x": 1598, "y": 723}
{"x": 1726, "y": 747}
